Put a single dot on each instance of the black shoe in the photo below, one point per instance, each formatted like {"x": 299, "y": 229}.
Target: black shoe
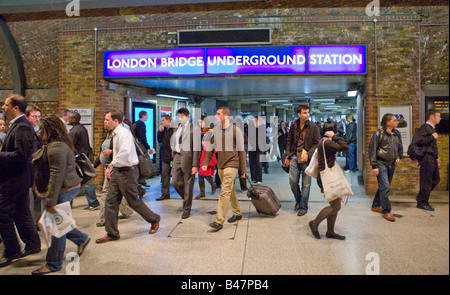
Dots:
{"x": 314, "y": 230}
{"x": 186, "y": 214}
{"x": 334, "y": 236}
{"x": 234, "y": 218}
{"x": 29, "y": 252}
{"x": 5, "y": 261}
{"x": 425, "y": 207}
{"x": 162, "y": 198}
{"x": 216, "y": 226}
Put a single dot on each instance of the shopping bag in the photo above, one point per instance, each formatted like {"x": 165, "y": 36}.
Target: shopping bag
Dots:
{"x": 335, "y": 185}
{"x": 313, "y": 167}
{"x": 57, "y": 224}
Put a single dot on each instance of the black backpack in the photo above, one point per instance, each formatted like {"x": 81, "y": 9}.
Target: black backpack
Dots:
{"x": 414, "y": 151}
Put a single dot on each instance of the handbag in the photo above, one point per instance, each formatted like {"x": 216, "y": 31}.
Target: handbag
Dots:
{"x": 145, "y": 164}
{"x": 313, "y": 167}
{"x": 84, "y": 168}
{"x": 335, "y": 185}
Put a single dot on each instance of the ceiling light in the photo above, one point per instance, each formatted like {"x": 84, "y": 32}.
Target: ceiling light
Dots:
{"x": 171, "y": 96}
{"x": 323, "y": 100}
{"x": 352, "y": 91}
{"x": 278, "y": 101}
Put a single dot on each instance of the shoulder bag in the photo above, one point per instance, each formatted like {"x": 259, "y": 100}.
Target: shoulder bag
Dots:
{"x": 335, "y": 185}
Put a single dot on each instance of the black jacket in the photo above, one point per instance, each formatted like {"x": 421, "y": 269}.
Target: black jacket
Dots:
{"x": 385, "y": 147}
{"x": 15, "y": 156}
{"x": 350, "y": 135}
{"x": 336, "y": 144}
{"x": 164, "y": 140}
{"x": 140, "y": 132}
{"x": 426, "y": 141}
{"x": 80, "y": 139}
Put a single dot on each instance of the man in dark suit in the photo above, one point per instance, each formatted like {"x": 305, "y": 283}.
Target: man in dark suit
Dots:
{"x": 16, "y": 177}
{"x": 186, "y": 150}
{"x": 140, "y": 130}
{"x": 164, "y": 135}
{"x": 80, "y": 139}
{"x": 426, "y": 139}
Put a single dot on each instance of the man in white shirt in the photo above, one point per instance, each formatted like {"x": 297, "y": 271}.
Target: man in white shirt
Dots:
{"x": 124, "y": 173}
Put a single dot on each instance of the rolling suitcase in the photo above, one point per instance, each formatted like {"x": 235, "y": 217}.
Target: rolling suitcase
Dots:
{"x": 264, "y": 199}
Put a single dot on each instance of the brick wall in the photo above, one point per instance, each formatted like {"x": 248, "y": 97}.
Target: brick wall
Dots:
{"x": 409, "y": 54}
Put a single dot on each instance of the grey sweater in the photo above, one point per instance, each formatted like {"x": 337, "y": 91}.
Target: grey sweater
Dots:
{"x": 63, "y": 176}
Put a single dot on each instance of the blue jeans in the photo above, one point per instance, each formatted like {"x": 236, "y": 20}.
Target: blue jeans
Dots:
{"x": 351, "y": 157}
{"x": 295, "y": 170}
{"x": 89, "y": 191}
{"x": 55, "y": 254}
{"x": 385, "y": 175}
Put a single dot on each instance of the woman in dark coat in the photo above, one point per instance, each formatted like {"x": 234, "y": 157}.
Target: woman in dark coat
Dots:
{"x": 333, "y": 144}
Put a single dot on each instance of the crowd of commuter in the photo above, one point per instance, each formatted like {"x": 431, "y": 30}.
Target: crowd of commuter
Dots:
{"x": 216, "y": 151}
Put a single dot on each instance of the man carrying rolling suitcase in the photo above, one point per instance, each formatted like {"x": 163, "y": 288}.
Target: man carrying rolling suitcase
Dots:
{"x": 228, "y": 141}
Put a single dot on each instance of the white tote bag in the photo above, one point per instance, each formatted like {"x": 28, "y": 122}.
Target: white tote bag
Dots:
{"x": 57, "y": 224}
{"x": 313, "y": 167}
{"x": 335, "y": 185}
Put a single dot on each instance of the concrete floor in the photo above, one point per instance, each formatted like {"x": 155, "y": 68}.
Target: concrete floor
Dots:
{"x": 416, "y": 244}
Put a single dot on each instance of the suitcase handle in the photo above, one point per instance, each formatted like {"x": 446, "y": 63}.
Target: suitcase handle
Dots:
{"x": 254, "y": 190}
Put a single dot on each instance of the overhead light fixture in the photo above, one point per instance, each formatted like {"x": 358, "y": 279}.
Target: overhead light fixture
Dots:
{"x": 287, "y": 104}
{"x": 327, "y": 103}
{"x": 353, "y": 90}
{"x": 323, "y": 100}
{"x": 172, "y": 96}
{"x": 278, "y": 101}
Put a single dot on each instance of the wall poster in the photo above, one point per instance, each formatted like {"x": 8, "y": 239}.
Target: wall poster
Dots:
{"x": 404, "y": 117}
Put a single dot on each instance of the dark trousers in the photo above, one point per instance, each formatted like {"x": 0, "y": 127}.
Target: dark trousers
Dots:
{"x": 429, "y": 179}
{"x": 165, "y": 179}
{"x": 124, "y": 184}
{"x": 183, "y": 182}
{"x": 15, "y": 210}
{"x": 201, "y": 182}
{"x": 255, "y": 166}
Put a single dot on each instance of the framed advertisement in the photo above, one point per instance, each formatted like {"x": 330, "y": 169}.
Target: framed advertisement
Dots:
{"x": 164, "y": 110}
{"x": 404, "y": 117}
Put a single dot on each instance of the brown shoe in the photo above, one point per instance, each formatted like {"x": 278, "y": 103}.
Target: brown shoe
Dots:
{"x": 105, "y": 239}
{"x": 154, "y": 228}
{"x": 377, "y": 209}
{"x": 389, "y": 217}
